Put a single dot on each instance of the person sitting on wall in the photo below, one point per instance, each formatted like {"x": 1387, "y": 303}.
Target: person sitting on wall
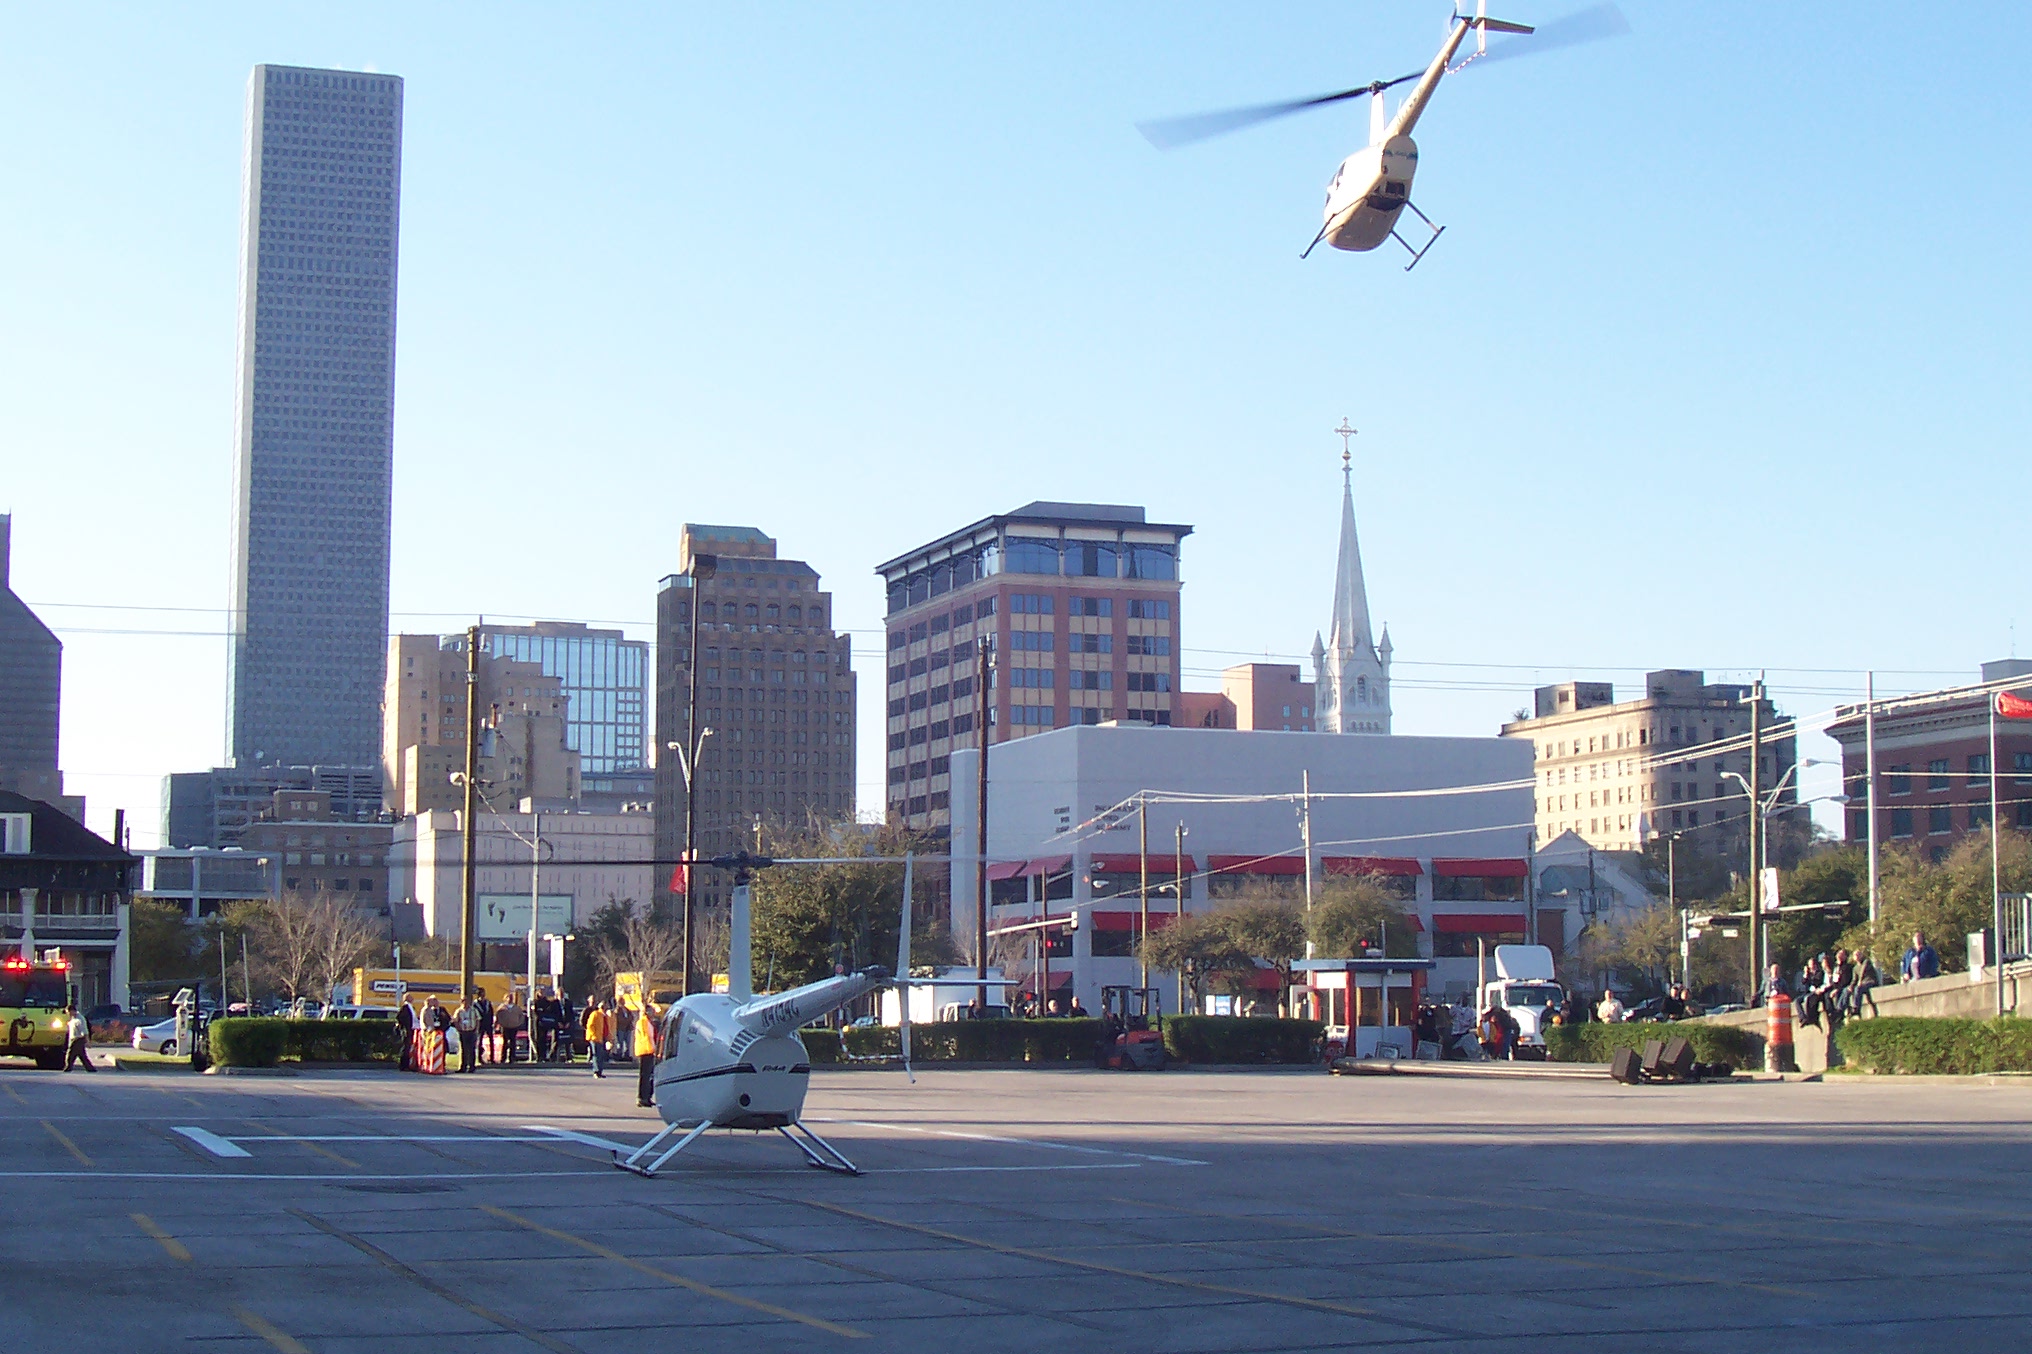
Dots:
{"x": 1921, "y": 961}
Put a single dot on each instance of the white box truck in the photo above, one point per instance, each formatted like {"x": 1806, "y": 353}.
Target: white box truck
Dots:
{"x": 1524, "y": 987}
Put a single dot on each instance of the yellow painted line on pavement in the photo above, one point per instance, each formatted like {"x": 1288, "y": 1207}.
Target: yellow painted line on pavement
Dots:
{"x": 169, "y": 1243}
{"x": 322, "y": 1151}
{"x": 430, "y": 1285}
{"x": 262, "y": 1327}
{"x": 1140, "y": 1275}
{"x": 1491, "y": 1252}
{"x": 69, "y": 1146}
{"x": 677, "y": 1280}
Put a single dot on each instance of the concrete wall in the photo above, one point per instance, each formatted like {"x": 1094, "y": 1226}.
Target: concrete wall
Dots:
{"x": 1950, "y": 995}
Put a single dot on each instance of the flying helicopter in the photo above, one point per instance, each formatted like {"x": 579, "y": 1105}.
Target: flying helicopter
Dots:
{"x": 734, "y": 1060}
{"x": 1372, "y": 188}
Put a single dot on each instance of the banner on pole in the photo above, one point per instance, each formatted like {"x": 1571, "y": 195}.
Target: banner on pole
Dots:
{"x": 2011, "y": 706}
{"x": 1767, "y": 888}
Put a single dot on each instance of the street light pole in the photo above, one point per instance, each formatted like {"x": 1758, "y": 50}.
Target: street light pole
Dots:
{"x": 703, "y": 567}
{"x": 1756, "y": 831}
{"x": 1143, "y": 889}
{"x": 1870, "y": 794}
{"x": 1178, "y": 896}
{"x": 467, "y": 833}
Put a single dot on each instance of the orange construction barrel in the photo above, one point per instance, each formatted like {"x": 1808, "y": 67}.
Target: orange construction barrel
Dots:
{"x": 1778, "y": 1034}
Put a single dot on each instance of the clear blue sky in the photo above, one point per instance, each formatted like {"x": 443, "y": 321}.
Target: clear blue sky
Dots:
{"x": 1720, "y": 364}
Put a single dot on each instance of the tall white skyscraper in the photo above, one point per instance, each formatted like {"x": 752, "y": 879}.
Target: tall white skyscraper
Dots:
{"x": 322, "y": 187}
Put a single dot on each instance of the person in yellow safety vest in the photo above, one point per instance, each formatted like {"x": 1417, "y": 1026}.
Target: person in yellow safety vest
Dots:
{"x": 598, "y": 1024}
{"x": 646, "y": 1029}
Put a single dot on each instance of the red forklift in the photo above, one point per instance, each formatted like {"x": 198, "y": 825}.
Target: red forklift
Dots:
{"x": 1132, "y": 1030}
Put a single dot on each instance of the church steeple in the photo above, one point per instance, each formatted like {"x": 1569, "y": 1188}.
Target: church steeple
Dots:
{"x": 1351, "y": 673}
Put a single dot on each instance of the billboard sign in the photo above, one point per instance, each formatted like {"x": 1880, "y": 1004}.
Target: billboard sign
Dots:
{"x": 505, "y": 916}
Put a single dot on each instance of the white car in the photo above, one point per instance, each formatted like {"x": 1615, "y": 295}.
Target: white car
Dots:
{"x": 157, "y": 1038}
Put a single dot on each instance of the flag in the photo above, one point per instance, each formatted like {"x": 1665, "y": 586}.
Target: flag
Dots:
{"x": 2011, "y": 706}
{"x": 677, "y": 880}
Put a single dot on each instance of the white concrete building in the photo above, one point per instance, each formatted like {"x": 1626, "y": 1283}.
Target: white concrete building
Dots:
{"x": 1059, "y": 841}
{"x": 589, "y": 860}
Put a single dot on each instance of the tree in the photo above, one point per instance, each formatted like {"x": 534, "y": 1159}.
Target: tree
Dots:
{"x": 626, "y": 940}
{"x": 160, "y": 941}
{"x": 810, "y": 921}
{"x": 306, "y": 944}
{"x": 1642, "y": 949}
{"x": 1203, "y": 947}
{"x": 1220, "y": 949}
{"x": 1947, "y": 901}
{"x": 1352, "y": 916}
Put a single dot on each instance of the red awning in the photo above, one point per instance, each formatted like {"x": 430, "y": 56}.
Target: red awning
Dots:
{"x": 1004, "y": 869}
{"x": 1046, "y": 865}
{"x": 1478, "y": 923}
{"x": 1361, "y": 865}
{"x": 1481, "y": 869}
{"x": 1161, "y": 862}
{"x": 1287, "y": 865}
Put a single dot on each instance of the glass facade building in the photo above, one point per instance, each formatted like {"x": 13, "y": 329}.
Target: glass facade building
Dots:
{"x": 315, "y": 416}
{"x": 605, "y": 678}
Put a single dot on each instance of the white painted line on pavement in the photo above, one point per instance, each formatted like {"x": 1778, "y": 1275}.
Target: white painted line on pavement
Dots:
{"x": 331, "y": 1178}
{"x": 1019, "y": 1142}
{"x": 212, "y": 1142}
{"x": 393, "y": 1137}
{"x": 588, "y": 1139}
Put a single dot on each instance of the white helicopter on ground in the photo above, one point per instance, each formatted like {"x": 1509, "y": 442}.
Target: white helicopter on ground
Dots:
{"x": 734, "y": 1060}
{"x": 1372, "y": 187}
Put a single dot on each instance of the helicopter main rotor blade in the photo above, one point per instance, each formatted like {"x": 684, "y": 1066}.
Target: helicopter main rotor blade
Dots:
{"x": 1169, "y": 133}
{"x": 1583, "y": 25}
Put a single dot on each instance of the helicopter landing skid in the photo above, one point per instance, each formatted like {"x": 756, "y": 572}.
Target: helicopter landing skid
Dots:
{"x": 1430, "y": 240}
{"x": 832, "y": 1160}
{"x": 633, "y": 1163}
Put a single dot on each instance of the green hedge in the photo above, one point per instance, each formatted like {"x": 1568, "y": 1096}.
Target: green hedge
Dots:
{"x": 821, "y": 1046}
{"x": 982, "y": 1041}
{"x": 1934, "y": 1045}
{"x": 1242, "y": 1039}
{"x": 1595, "y": 1042}
{"x": 343, "y": 1041}
{"x": 240, "y": 1041}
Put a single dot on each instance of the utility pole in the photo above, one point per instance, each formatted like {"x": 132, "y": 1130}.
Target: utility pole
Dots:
{"x": 1305, "y": 823}
{"x": 983, "y": 657}
{"x": 1870, "y": 793}
{"x": 1994, "y": 953}
{"x": 466, "y": 833}
{"x": 1178, "y": 896}
{"x": 1756, "y": 831}
{"x": 1143, "y": 885}
{"x": 1672, "y": 901}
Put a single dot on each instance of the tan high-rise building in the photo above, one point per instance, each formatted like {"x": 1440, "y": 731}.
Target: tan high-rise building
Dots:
{"x": 423, "y": 729}
{"x": 775, "y": 698}
{"x": 1620, "y": 774}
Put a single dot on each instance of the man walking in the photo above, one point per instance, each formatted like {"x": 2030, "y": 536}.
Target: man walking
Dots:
{"x": 77, "y": 1041}
{"x": 405, "y": 1026}
{"x": 645, "y": 1054}
{"x": 483, "y": 1012}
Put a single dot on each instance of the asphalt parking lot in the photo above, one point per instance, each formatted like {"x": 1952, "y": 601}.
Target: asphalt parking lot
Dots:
{"x": 1015, "y": 1210}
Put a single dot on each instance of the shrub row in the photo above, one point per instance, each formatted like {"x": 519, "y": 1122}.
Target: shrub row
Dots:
{"x": 263, "y": 1041}
{"x": 981, "y": 1041}
{"x": 248, "y": 1041}
{"x": 1242, "y": 1039}
{"x": 1595, "y": 1042}
{"x": 1935, "y": 1045}
{"x": 1193, "y": 1039}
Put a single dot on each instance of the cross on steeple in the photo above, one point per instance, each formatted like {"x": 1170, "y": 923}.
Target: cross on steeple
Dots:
{"x": 1347, "y": 457}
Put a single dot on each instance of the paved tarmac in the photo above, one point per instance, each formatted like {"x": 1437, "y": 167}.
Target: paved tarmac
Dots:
{"x": 1015, "y": 1210}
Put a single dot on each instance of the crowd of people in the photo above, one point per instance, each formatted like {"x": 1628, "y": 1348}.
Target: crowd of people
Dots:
{"x": 550, "y": 1029}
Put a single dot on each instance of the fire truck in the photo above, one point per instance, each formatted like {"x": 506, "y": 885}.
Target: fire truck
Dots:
{"x": 32, "y": 1001}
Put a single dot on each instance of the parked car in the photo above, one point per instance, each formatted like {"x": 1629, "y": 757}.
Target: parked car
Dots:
{"x": 336, "y": 1012}
{"x": 157, "y": 1038}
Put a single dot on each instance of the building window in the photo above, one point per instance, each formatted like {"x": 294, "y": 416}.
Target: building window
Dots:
{"x": 1090, "y": 643}
{"x": 1936, "y": 774}
{"x": 1149, "y": 610}
{"x": 1899, "y": 782}
{"x": 1937, "y": 821}
{"x": 2022, "y": 763}
{"x": 1978, "y": 817}
{"x": 1027, "y": 556}
{"x": 1092, "y": 559}
{"x": 1092, "y": 606}
{"x": 1901, "y": 822}
{"x": 1026, "y": 604}
{"x": 1153, "y": 561}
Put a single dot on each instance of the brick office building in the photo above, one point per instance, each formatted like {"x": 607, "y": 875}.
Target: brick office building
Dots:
{"x": 1933, "y": 764}
{"x": 1080, "y": 602}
